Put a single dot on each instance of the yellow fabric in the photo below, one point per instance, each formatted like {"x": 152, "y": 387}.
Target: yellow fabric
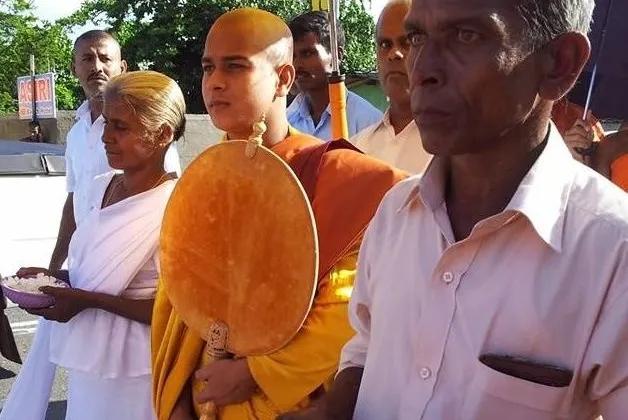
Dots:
{"x": 286, "y": 378}
{"x": 320, "y": 5}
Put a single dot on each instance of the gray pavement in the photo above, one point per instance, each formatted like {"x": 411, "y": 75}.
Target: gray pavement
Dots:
{"x": 23, "y": 326}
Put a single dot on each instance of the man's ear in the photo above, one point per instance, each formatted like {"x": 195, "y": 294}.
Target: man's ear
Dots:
{"x": 286, "y": 76}
{"x": 123, "y": 66}
{"x": 73, "y": 68}
{"x": 563, "y": 61}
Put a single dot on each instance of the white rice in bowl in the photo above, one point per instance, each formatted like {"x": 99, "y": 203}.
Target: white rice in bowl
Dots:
{"x": 32, "y": 284}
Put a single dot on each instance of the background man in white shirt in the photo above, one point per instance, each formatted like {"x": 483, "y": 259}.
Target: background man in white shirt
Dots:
{"x": 310, "y": 112}
{"x": 96, "y": 59}
{"x": 395, "y": 139}
{"x": 495, "y": 286}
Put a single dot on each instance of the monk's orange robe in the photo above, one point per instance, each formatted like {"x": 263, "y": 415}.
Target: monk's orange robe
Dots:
{"x": 619, "y": 172}
{"x": 344, "y": 187}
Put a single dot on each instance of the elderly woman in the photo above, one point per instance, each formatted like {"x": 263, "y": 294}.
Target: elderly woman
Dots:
{"x": 99, "y": 329}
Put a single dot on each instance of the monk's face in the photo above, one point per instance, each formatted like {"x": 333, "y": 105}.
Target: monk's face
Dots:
{"x": 471, "y": 79}
{"x": 392, "y": 51}
{"x": 239, "y": 80}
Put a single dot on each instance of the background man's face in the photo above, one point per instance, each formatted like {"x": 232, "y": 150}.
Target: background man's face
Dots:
{"x": 312, "y": 62}
{"x": 392, "y": 51}
{"x": 471, "y": 81}
{"x": 95, "y": 62}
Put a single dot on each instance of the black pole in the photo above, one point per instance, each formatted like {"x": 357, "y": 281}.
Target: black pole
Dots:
{"x": 34, "y": 95}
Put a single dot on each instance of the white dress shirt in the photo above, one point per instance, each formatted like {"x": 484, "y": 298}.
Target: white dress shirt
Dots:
{"x": 360, "y": 114}
{"x": 545, "y": 280}
{"x": 403, "y": 150}
{"x": 85, "y": 158}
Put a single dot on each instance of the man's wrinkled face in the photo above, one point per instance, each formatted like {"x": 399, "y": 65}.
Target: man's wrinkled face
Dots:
{"x": 239, "y": 81}
{"x": 95, "y": 62}
{"x": 312, "y": 62}
{"x": 471, "y": 78}
{"x": 392, "y": 51}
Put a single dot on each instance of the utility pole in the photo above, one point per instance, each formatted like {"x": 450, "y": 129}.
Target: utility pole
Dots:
{"x": 34, "y": 88}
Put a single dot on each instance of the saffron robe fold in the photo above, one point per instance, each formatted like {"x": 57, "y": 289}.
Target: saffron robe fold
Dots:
{"x": 344, "y": 187}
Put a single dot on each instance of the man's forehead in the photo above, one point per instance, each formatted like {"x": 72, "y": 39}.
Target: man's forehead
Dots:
{"x": 391, "y": 19}
{"x": 217, "y": 47}
{"x": 102, "y": 45}
{"x": 445, "y": 10}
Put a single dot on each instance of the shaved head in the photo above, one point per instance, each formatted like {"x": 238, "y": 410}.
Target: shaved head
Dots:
{"x": 260, "y": 31}
{"x": 247, "y": 71}
{"x": 393, "y": 3}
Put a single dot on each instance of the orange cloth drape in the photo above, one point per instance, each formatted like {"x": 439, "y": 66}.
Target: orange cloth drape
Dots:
{"x": 619, "y": 172}
{"x": 345, "y": 188}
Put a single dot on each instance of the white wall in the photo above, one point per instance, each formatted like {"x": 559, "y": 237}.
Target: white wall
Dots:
{"x": 30, "y": 212}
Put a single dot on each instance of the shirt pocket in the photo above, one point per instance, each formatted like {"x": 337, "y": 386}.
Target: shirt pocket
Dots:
{"x": 495, "y": 395}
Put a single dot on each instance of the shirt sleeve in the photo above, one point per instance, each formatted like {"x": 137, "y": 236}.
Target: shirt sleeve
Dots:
{"x": 607, "y": 358}
{"x": 354, "y": 352}
{"x": 70, "y": 176}
{"x": 361, "y": 114}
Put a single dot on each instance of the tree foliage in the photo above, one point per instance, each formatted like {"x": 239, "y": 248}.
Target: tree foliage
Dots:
{"x": 168, "y": 35}
{"x": 21, "y": 34}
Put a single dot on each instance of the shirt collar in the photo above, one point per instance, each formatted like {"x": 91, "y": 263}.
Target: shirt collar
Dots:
{"x": 300, "y": 106}
{"x": 82, "y": 111}
{"x": 541, "y": 197}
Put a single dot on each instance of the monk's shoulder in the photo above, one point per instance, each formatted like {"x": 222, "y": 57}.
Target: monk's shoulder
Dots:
{"x": 354, "y": 164}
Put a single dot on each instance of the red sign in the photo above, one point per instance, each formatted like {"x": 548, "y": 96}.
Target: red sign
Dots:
{"x": 44, "y": 94}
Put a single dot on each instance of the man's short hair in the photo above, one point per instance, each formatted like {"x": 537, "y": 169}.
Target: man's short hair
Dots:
{"x": 546, "y": 20}
{"x": 94, "y": 35}
{"x": 318, "y": 24}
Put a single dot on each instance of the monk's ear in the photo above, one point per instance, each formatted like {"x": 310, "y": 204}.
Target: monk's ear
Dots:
{"x": 562, "y": 61}
{"x": 286, "y": 75}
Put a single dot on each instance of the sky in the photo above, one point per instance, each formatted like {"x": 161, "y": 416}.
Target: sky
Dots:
{"x": 52, "y": 10}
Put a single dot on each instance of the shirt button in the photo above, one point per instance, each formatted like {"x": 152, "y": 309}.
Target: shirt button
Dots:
{"x": 448, "y": 277}
{"x": 425, "y": 373}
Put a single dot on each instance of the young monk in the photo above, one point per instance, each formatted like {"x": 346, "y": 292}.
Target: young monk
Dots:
{"x": 247, "y": 73}
{"x": 99, "y": 329}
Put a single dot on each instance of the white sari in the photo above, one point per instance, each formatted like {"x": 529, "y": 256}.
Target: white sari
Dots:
{"x": 113, "y": 251}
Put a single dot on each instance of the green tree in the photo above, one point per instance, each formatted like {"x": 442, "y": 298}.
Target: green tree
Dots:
{"x": 21, "y": 34}
{"x": 168, "y": 35}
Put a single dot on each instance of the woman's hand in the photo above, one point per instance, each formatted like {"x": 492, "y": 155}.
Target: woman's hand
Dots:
{"x": 68, "y": 303}
{"x": 30, "y": 272}
{"x": 26, "y": 272}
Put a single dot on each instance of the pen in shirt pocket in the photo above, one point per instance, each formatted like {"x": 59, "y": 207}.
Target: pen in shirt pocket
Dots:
{"x": 528, "y": 369}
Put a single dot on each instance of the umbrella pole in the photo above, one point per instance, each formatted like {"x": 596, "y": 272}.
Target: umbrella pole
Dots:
{"x": 337, "y": 88}
{"x": 597, "y": 60}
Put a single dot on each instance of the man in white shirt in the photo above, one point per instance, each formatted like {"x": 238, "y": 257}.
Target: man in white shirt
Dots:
{"x": 395, "y": 139}
{"x": 96, "y": 59}
{"x": 495, "y": 286}
{"x": 310, "y": 112}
